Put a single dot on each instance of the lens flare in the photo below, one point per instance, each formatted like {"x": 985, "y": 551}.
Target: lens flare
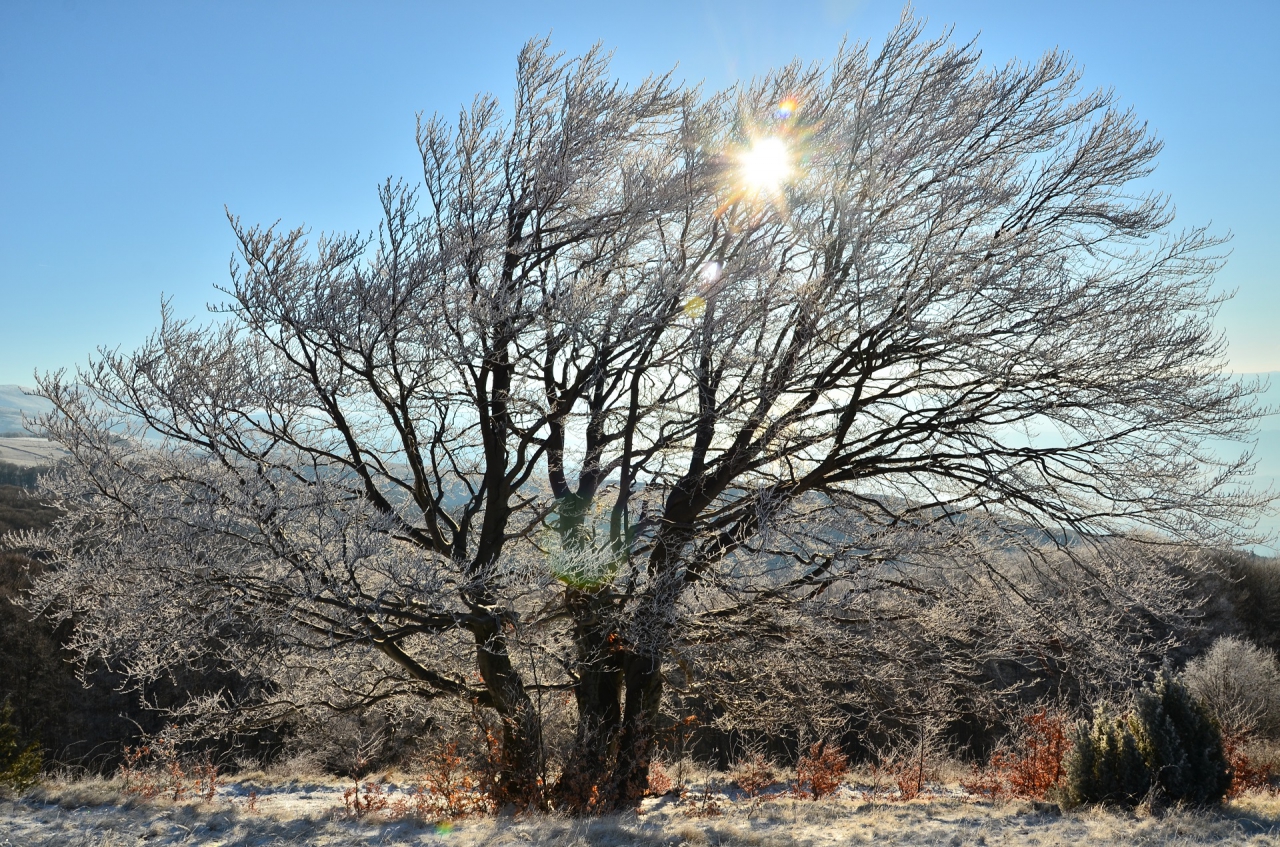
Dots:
{"x": 696, "y": 307}
{"x": 766, "y": 165}
{"x": 786, "y": 109}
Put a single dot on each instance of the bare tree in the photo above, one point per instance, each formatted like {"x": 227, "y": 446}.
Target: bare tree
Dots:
{"x": 640, "y": 371}
{"x": 1238, "y": 682}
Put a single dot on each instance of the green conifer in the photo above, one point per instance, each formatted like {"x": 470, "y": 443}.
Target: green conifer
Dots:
{"x": 1105, "y": 764}
{"x": 1181, "y": 744}
{"x": 1167, "y": 742}
{"x": 19, "y": 766}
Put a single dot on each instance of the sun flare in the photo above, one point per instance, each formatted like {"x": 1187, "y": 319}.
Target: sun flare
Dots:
{"x": 766, "y": 165}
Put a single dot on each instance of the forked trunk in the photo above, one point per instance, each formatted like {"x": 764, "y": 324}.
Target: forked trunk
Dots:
{"x": 618, "y": 694}
{"x": 585, "y": 783}
{"x": 608, "y": 769}
{"x": 639, "y": 725}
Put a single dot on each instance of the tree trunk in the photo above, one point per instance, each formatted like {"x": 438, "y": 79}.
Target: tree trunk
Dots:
{"x": 585, "y": 783}
{"x": 519, "y": 766}
{"x": 639, "y": 723}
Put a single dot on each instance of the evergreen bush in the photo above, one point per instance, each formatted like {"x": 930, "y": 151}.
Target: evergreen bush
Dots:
{"x": 1105, "y": 764}
{"x": 19, "y": 766}
{"x": 1181, "y": 743}
{"x": 1168, "y": 743}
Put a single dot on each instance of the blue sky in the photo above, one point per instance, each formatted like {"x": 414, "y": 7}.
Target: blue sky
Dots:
{"x": 125, "y": 128}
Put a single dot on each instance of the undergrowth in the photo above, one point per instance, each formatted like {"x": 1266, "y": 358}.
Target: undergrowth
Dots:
{"x": 158, "y": 769}
{"x": 1034, "y": 766}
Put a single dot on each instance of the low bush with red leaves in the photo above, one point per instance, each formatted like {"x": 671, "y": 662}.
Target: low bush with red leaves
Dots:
{"x": 753, "y": 774}
{"x": 821, "y": 770}
{"x": 157, "y": 768}
{"x": 365, "y": 799}
{"x": 660, "y": 783}
{"x": 1033, "y": 768}
{"x": 448, "y": 786}
{"x": 1248, "y": 773}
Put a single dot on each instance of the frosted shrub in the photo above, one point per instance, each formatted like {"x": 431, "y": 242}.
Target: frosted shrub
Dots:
{"x": 1239, "y": 684}
{"x": 1168, "y": 742}
{"x": 1181, "y": 743}
{"x": 1105, "y": 765}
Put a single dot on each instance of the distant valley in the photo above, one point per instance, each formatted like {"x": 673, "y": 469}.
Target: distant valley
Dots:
{"x": 18, "y": 447}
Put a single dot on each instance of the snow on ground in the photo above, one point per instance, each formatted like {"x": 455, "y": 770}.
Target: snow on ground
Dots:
{"x": 16, "y": 447}
{"x": 294, "y": 814}
{"x": 28, "y": 452}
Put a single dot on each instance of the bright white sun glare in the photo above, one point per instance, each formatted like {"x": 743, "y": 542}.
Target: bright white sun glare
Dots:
{"x": 766, "y": 165}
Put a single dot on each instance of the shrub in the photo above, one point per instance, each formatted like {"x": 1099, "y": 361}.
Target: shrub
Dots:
{"x": 1034, "y": 767}
{"x": 822, "y": 769}
{"x": 902, "y": 771}
{"x": 1239, "y": 683}
{"x": 446, "y": 786}
{"x": 703, "y": 804}
{"x": 1249, "y": 772}
{"x": 1105, "y": 764}
{"x": 1181, "y": 743}
{"x": 660, "y": 783}
{"x": 19, "y": 765}
{"x": 157, "y": 768}
{"x": 1168, "y": 743}
{"x": 365, "y": 799}
{"x": 753, "y": 774}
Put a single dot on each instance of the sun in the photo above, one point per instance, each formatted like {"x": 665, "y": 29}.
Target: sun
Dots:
{"x": 766, "y": 165}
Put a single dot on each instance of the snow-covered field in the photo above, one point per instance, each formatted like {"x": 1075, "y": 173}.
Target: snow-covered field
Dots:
{"x": 91, "y": 814}
{"x": 29, "y": 452}
{"x": 16, "y": 447}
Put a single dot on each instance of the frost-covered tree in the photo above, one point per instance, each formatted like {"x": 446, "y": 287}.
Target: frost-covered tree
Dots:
{"x": 643, "y": 379}
{"x": 1239, "y": 683}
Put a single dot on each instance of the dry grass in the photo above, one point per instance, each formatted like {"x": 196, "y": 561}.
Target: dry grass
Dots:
{"x": 95, "y": 813}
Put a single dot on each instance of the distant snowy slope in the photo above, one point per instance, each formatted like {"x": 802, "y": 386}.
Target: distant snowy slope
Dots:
{"x": 14, "y": 401}
{"x": 1267, "y": 452}
{"x": 1267, "y": 455}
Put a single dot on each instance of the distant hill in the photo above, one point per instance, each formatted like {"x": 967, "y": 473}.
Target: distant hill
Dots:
{"x": 27, "y": 451}
{"x": 14, "y": 401}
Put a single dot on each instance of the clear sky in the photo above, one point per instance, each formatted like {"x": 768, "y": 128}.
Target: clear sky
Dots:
{"x": 126, "y": 127}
